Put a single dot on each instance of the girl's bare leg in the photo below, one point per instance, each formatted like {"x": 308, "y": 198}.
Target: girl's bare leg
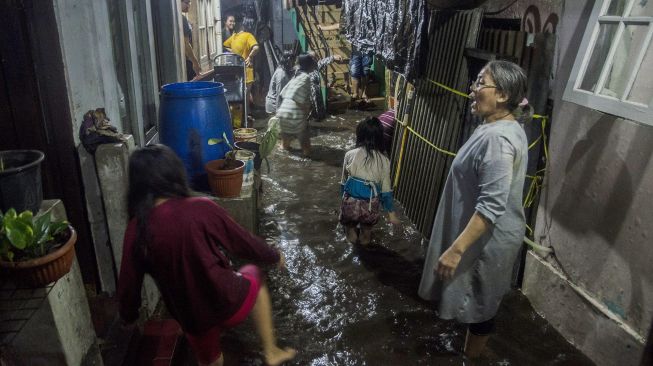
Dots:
{"x": 262, "y": 315}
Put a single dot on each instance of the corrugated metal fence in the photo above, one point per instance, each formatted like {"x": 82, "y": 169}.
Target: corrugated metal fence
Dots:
{"x": 458, "y": 48}
{"x": 435, "y": 114}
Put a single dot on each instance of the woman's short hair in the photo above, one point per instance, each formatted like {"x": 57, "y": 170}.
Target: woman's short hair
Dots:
{"x": 306, "y": 62}
{"x": 510, "y": 79}
{"x": 287, "y": 61}
{"x": 245, "y": 24}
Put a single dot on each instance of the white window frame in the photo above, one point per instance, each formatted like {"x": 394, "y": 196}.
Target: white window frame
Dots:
{"x": 616, "y": 106}
{"x": 210, "y": 29}
{"x": 202, "y": 40}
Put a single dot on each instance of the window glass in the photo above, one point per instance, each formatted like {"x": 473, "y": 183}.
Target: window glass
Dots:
{"x": 625, "y": 60}
{"x": 617, "y": 7}
{"x": 642, "y": 91}
{"x": 642, "y": 8}
{"x": 599, "y": 54}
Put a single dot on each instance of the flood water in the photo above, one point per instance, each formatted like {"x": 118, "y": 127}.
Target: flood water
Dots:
{"x": 338, "y": 304}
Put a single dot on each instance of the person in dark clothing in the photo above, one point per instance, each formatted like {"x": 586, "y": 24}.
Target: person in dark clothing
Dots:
{"x": 192, "y": 64}
{"x": 185, "y": 244}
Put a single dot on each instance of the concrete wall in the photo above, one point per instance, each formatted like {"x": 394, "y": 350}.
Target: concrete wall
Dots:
{"x": 595, "y": 212}
{"x": 535, "y": 15}
{"x": 112, "y": 162}
{"x": 90, "y": 74}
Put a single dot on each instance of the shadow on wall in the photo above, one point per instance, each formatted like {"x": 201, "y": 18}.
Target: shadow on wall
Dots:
{"x": 598, "y": 189}
{"x": 584, "y": 204}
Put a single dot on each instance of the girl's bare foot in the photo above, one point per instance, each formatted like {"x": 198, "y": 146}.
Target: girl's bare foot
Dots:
{"x": 279, "y": 356}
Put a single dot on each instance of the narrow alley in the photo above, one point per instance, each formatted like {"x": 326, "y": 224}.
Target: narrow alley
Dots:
{"x": 150, "y": 151}
{"x": 344, "y": 305}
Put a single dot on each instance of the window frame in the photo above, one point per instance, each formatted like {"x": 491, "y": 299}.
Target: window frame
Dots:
{"x": 202, "y": 39}
{"x": 594, "y": 99}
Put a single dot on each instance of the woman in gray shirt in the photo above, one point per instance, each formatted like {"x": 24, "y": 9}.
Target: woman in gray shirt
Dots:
{"x": 479, "y": 225}
{"x": 280, "y": 78}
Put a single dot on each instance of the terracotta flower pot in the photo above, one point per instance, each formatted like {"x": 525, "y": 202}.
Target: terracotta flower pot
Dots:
{"x": 225, "y": 183}
{"x": 41, "y": 271}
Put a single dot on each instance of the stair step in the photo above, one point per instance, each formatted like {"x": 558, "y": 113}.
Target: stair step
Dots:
{"x": 160, "y": 341}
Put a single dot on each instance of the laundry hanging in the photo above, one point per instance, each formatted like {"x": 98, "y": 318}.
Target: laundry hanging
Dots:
{"x": 391, "y": 29}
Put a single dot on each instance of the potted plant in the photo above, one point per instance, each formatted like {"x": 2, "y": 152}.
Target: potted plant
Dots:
{"x": 225, "y": 175}
{"x": 35, "y": 251}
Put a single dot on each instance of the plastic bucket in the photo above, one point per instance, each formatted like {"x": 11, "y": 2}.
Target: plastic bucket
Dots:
{"x": 247, "y": 157}
{"x": 190, "y": 114}
{"x": 253, "y": 147}
{"x": 20, "y": 180}
{"x": 245, "y": 134}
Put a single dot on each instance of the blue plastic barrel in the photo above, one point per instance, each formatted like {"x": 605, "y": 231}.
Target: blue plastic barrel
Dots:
{"x": 190, "y": 114}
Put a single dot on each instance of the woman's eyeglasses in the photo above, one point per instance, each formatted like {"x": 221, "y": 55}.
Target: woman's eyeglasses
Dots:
{"x": 478, "y": 85}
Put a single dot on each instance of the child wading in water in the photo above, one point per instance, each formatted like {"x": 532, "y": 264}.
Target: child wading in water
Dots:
{"x": 365, "y": 183}
{"x": 186, "y": 244}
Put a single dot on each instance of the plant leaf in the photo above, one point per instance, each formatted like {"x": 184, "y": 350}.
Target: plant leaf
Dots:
{"x": 16, "y": 231}
{"x": 215, "y": 141}
{"x": 26, "y": 215}
{"x": 41, "y": 228}
{"x": 57, "y": 227}
{"x": 27, "y": 227}
{"x": 11, "y": 213}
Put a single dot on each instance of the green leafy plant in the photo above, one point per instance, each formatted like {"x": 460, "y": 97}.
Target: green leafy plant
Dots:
{"x": 230, "y": 156}
{"x": 23, "y": 237}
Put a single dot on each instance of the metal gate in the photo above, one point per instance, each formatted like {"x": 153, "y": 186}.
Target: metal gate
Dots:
{"x": 434, "y": 113}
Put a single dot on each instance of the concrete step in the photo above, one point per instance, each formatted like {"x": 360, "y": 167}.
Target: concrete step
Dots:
{"x": 159, "y": 344}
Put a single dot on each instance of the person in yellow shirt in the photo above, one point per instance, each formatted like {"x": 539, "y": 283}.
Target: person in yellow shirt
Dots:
{"x": 244, "y": 44}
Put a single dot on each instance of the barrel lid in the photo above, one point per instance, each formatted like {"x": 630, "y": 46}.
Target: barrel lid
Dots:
{"x": 193, "y": 89}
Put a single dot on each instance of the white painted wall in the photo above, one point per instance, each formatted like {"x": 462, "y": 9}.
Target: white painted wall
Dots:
{"x": 88, "y": 59}
{"x": 595, "y": 210}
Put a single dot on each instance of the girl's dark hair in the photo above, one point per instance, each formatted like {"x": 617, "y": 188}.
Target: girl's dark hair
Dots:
{"x": 511, "y": 80}
{"x": 287, "y": 61}
{"x": 155, "y": 171}
{"x": 306, "y": 62}
{"x": 369, "y": 134}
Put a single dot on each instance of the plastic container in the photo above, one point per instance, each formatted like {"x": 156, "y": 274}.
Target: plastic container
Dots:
{"x": 245, "y": 134}
{"x": 247, "y": 157}
{"x": 190, "y": 114}
{"x": 253, "y": 147}
{"x": 20, "y": 180}
{"x": 225, "y": 183}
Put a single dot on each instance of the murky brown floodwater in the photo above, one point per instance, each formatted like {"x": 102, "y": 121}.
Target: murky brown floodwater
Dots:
{"x": 342, "y": 305}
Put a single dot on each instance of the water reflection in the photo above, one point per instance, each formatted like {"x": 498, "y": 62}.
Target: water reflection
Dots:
{"x": 340, "y": 304}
